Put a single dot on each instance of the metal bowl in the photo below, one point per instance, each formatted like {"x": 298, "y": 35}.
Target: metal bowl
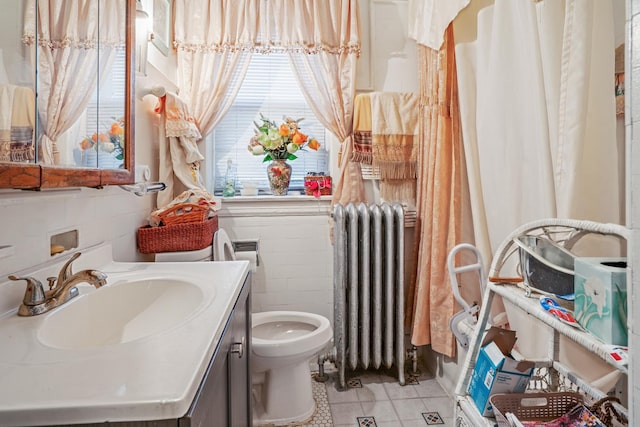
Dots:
{"x": 546, "y": 266}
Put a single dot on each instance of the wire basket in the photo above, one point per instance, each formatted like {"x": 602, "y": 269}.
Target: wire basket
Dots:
{"x": 184, "y": 213}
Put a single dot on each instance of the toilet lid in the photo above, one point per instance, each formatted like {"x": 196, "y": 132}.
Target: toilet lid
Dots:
{"x": 222, "y": 247}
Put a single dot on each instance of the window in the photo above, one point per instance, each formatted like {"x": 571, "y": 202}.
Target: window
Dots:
{"x": 269, "y": 88}
{"x": 105, "y": 106}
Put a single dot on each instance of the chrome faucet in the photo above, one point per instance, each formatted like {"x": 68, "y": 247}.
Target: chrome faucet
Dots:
{"x": 61, "y": 289}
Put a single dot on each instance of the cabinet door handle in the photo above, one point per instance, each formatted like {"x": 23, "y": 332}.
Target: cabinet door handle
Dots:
{"x": 238, "y": 348}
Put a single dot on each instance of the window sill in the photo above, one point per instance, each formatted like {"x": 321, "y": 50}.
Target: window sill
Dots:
{"x": 265, "y": 206}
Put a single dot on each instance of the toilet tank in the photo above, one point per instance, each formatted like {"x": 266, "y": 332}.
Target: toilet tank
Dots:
{"x": 205, "y": 254}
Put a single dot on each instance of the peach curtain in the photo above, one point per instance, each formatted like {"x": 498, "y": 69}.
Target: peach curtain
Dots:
{"x": 323, "y": 43}
{"x": 439, "y": 199}
{"x": 68, "y": 59}
{"x": 214, "y": 41}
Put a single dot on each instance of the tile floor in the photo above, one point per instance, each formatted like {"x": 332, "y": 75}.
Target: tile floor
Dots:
{"x": 376, "y": 399}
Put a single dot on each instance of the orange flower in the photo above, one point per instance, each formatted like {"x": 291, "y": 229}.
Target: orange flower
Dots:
{"x": 103, "y": 137}
{"x": 299, "y": 138}
{"x": 94, "y": 137}
{"x": 85, "y": 144}
{"x": 313, "y": 144}
{"x": 283, "y": 130}
{"x": 116, "y": 128}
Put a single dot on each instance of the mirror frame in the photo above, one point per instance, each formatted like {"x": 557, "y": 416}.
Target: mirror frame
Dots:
{"x": 37, "y": 176}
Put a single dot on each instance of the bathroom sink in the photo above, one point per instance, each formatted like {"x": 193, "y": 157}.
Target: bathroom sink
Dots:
{"x": 119, "y": 313}
{"x": 135, "y": 349}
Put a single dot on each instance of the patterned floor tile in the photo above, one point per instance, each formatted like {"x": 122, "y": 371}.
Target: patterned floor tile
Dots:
{"x": 367, "y": 422}
{"x": 322, "y": 416}
{"x": 412, "y": 380}
{"x": 432, "y": 418}
{"x": 354, "y": 383}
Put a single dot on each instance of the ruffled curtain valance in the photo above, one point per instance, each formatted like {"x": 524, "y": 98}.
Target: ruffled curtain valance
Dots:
{"x": 77, "y": 24}
{"x": 314, "y": 26}
{"x": 216, "y": 26}
{"x": 261, "y": 26}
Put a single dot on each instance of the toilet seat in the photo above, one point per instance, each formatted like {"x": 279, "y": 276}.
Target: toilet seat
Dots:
{"x": 306, "y": 330}
{"x": 222, "y": 247}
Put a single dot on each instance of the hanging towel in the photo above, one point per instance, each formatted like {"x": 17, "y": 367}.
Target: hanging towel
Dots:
{"x": 394, "y": 128}
{"x": 179, "y": 155}
{"x": 6, "y": 109}
{"x": 362, "y": 149}
{"x": 22, "y": 125}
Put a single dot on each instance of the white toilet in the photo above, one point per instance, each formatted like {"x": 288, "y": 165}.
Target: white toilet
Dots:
{"x": 283, "y": 343}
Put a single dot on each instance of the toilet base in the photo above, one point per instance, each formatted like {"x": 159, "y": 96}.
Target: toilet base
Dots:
{"x": 285, "y": 396}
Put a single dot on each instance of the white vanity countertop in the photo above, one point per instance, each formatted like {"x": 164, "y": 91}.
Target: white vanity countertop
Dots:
{"x": 151, "y": 378}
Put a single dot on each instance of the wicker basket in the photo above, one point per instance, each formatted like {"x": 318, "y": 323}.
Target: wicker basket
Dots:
{"x": 533, "y": 406}
{"x": 184, "y": 213}
{"x": 178, "y": 237}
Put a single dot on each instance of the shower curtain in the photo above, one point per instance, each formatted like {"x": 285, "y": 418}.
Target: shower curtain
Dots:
{"x": 439, "y": 198}
{"x": 538, "y": 115}
{"x": 537, "y": 105}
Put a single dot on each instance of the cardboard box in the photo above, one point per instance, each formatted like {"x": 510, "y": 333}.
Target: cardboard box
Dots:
{"x": 601, "y": 298}
{"x": 496, "y": 371}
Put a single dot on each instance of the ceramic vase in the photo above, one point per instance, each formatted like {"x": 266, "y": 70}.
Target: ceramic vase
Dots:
{"x": 279, "y": 173}
{"x": 98, "y": 159}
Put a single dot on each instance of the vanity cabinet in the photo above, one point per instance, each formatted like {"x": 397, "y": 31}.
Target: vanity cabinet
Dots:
{"x": 224, "y": 397}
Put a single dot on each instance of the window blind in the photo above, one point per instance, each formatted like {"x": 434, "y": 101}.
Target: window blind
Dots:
{"x": 107, "y": 103}
{"x": 269, "y": 88}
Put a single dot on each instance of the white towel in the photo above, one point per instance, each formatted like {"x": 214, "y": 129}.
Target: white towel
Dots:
{"x": 179, "y": 155}
{"x": 430, "y": 19}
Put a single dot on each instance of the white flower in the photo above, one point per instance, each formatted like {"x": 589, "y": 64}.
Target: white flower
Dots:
{"x": 257, "y": 150}
{"x": 292, "y": 147}
{"x": 107, "y": 147}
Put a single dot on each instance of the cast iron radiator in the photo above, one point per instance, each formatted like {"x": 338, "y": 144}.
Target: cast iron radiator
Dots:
{"x": 368, "y": 287}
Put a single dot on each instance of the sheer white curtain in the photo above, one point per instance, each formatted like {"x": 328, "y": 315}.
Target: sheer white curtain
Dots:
{"x": 215, "y": 40}
{"x": 70, "y": 64}
{"x": 323, "y": 44}
{"x": 538, "y": 121}
{"x": 540, "y": 104}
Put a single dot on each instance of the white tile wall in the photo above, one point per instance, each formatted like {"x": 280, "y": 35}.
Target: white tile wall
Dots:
{"x": 29, "y": 219}
{"x": 295, "y": 251}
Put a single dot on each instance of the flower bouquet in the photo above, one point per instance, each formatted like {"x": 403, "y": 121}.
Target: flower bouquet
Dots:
{"x": 110, "y": 142}
{"x": 280, "y": 141}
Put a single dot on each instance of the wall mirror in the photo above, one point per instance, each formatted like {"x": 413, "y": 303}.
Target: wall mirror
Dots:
{"x": 66, "y": 85}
